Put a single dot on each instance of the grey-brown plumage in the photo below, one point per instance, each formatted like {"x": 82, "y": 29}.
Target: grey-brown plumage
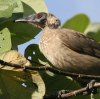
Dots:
{"x": 66, "y": 49}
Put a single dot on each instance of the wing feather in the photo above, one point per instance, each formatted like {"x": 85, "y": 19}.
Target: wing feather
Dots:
{"x": 79, "y": 42}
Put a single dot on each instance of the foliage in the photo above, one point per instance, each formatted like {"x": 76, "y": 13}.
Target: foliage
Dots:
{"x": 13, "y": 34}
{"x": 78, "y": 23}
{"x": 17, "y": 84}
{"x": 5, "y": 40}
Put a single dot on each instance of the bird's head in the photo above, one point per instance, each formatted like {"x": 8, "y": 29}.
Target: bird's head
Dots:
{"x": 41, "y": 20}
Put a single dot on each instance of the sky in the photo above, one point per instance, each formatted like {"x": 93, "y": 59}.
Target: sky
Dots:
{"x": 65, "y": 9}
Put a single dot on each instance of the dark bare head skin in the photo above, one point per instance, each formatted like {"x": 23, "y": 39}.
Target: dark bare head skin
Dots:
{"x": 66, "y": 49}
{"x": 41, "y": 20}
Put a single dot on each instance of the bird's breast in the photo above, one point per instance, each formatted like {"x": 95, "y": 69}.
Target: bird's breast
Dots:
{"x": 51, "y": 46}
{"x": 64, "y": 58}
{"x": 48, "y": 43}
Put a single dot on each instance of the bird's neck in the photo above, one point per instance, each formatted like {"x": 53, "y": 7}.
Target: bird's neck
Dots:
{"x": 51, "y": 27}
{"x": 48, "y": 31}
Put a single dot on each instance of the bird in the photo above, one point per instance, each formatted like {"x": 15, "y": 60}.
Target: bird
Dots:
{"x": 66, "y": 49}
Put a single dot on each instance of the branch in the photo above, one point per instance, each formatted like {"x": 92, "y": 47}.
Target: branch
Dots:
{"x": 54, "y": 70}
{"x": 70, "y": 94}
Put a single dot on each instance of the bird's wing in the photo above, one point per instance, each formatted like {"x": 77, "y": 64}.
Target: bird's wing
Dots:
{"x": 79, "y": 42}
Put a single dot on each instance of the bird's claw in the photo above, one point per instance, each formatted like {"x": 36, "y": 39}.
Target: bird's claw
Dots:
{"x": 62, "y": 92}
{"x": 90, "y": 88}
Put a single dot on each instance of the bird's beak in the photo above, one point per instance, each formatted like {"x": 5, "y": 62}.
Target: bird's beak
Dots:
{"x": 28, "y": 19}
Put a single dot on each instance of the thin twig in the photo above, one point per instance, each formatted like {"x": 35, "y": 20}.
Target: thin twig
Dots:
{"x": 54, "y": 70}
{"x": 71, "y": 93}
{"x": 79, "y": 91}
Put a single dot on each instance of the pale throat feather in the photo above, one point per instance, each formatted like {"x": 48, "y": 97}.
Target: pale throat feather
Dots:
{"x": 46, "y": 41}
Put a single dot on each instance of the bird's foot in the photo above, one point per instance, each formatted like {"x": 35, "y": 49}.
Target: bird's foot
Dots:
{"x": 90, "y": 88}
{"x": 62, "y": 92}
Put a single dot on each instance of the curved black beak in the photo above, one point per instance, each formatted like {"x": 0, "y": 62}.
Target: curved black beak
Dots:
{"x": 28, "y": 19}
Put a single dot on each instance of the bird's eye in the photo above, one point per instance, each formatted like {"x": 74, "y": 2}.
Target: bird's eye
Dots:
{"x": 39, "y": 16}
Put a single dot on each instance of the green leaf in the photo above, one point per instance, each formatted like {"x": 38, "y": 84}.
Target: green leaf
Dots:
{"x": 6, "y": 10}
{"x": 37, "y": 5}
{"x": 16, "y": 83}
{"x": 4, "y": 4}
{"x": 20, "y": 32}
{"x": 5, "y": 40}
{"x": 78, "y": 23}
{"x": 33, "y": 52}
{"x": 55, "y": 83}
{"x": 20, "y": 85}
{"x": 97, "y": 96}
{"x": 93, "y": 31}
{"x": 93, "y": 27}
{"x": 10, "y": 10}
{"x": 94, "y": 35}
